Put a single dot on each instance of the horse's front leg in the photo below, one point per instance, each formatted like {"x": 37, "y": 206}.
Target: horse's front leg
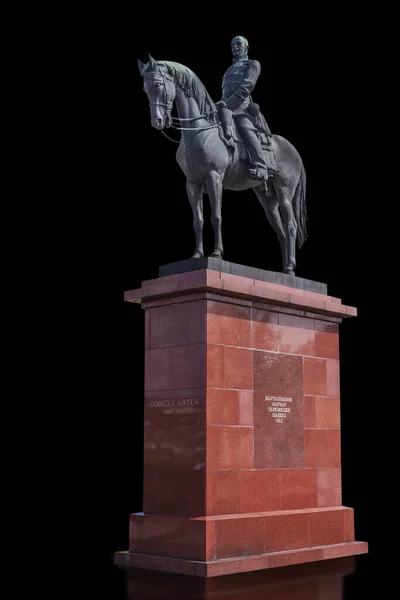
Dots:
{"x": 214, "y": 188}
{"x": 195, "y": 194}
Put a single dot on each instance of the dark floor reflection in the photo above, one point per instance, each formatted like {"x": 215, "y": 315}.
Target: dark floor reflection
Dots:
{"x": 323, "y": 580}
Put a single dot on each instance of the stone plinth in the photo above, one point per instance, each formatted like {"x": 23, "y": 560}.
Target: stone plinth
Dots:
{"x": 242, "y": 465}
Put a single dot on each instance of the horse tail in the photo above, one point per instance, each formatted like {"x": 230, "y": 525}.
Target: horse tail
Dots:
{"x": 299, "y": 207}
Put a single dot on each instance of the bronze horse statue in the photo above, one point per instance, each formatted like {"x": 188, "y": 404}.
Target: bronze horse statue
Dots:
{"x": 211, "y": 165}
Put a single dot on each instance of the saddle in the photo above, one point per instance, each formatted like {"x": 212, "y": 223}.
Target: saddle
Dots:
{"x": 235, "y": 144}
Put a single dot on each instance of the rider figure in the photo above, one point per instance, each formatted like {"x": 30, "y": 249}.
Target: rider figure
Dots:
{"x": 237, "y": 85}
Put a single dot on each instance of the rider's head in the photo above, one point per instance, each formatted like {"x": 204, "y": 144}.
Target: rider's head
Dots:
{"x": 239, "y": 46}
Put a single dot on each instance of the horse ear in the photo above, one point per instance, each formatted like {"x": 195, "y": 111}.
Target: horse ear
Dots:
{"x": 141, "y": 66}
{"x": 152, "y": 64}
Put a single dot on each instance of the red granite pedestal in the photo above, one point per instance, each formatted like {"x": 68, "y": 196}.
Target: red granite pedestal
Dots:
{"x": 242, "y": 463}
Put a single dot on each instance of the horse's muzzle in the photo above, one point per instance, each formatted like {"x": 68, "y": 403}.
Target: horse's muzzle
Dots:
{"x": 158, "y": 123}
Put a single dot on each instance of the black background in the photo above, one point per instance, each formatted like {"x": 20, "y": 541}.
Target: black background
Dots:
{"x": 315, "y": 90}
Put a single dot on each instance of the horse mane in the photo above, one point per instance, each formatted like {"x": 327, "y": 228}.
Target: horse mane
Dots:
{"x": 190, "y": 84}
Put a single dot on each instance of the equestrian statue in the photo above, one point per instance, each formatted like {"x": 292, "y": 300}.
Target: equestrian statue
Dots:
{"x": 228, "y": 145}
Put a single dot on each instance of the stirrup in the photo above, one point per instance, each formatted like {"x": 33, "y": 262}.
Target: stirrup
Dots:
{"x": 258, "y": 173}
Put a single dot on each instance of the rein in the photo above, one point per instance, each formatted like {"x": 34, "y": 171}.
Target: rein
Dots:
{"x": 187, "y": 128}
{"x": 175, "y": 121}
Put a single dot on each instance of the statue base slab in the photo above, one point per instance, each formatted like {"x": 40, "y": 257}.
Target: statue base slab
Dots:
{"x": 229, "y": 566}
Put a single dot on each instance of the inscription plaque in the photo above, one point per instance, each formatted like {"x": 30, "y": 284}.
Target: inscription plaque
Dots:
{"x": 175, "y": 407}
{"x": 278, "y": 411}
{"x": 279, "y": 407}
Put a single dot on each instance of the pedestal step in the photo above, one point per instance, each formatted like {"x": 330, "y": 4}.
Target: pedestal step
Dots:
{"x": 216, "y": 538}
{"x": 214, "y": 568}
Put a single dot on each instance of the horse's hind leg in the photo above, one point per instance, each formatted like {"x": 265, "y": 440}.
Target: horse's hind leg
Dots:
{"x": 214, "y": 189}
{"x": 194, "y": 191}
{"x": 271, "y": 206}
{"x": 290, "y": 225}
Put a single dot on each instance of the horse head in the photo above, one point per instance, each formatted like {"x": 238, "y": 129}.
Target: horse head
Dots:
{"x": 160, "y": 89}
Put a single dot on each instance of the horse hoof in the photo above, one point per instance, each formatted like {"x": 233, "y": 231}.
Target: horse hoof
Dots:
{"x": 216, "y": 255}
{"x": 198, "y": 255}
{"x": 288, "y": 271}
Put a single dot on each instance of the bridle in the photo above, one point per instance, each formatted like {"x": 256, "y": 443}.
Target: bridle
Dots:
{"x": 174, "y": 122}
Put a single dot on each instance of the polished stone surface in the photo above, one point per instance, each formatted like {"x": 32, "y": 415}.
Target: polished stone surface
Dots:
{"x": 278, "y": 410}
{"x": 221, "y": 567}
{"x": 223, "y": 266}
{"x": 242, "y": 448}
{"x": 186, "y": 286}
